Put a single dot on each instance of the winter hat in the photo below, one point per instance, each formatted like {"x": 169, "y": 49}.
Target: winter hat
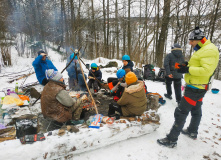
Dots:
{"x": 52, "y": 74}
{"x": 41, "y": 51}
{"x": 176, "y": 45}
{"x": 130, "y": 78}
{"x": 197, "y": 34}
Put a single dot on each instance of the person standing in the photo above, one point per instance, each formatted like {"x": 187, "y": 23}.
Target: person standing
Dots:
{"x": 75, "y": 80}
{"x": 41, "y": 64}
{"x": 171, "y": 73}
{"x": 198, "y": 72}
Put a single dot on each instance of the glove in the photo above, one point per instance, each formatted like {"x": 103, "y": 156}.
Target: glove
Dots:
{"x": 183, "y": 69}
{"x": 186, "y": 63}
{"x": 116, "y": 98}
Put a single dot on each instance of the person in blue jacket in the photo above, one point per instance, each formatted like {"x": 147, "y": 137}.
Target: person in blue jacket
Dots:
{"x": 128, "y": 64}
{"x": 95, "y": 77}
{"x": 75, "y": 80}
{"x": 41, "y": 64}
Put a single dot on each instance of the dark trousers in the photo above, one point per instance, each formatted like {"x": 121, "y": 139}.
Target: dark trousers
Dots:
{"x": 177, "y": 87}
{"x": 182, "y": 111}
{"x": 114, "y": 108}
{"x": 93, "y": 83}
{"x": 77, "y": 85}
{"x": 44, "y": 81}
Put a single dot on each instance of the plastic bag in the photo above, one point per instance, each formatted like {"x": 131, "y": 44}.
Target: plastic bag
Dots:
{"x": 23, "y": 97}
{"x": 12, "y": 100}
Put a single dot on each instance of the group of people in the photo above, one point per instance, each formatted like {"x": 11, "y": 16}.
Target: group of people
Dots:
{"x": 129, "y": 97}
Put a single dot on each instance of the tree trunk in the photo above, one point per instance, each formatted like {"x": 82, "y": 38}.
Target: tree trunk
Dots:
{"x": 164, "y": 28}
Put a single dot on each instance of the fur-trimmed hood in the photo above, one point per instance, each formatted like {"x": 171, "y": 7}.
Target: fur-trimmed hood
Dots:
{"x": 135, "y": 87}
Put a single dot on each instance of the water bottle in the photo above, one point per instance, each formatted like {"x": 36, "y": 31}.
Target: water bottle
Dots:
{"x": 16, "y": 87}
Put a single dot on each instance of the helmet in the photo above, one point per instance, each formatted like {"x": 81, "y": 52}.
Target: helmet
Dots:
{"x": 126, "y": 57}
{"x": 72, "y": 55}
{"x": 120, "y": 73}
{"x": 93, "y": 65}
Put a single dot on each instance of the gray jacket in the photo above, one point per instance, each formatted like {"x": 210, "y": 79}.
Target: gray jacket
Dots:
{"x": 170, "y": 60}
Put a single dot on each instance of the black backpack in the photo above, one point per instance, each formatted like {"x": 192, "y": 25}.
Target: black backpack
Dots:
{"x": 149, "y": 73}
{"x": 139, "y": 73}
{"x": 161, "y": 75}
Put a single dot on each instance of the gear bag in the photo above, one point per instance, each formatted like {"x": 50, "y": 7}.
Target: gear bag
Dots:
{"x": 149, "y": 73}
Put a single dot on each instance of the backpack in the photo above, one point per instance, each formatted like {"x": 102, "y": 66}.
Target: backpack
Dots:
{"x": 139, "y": 73}
{"x": 161, "y": 75}
{"x": 149, "y": 73}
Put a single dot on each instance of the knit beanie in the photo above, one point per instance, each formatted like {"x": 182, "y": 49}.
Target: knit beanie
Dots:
{"x": 197, "y": 34}
{"x": 52, "y": 74}
{"x": 130, "y": 78}
{"x": 176, "y": 45}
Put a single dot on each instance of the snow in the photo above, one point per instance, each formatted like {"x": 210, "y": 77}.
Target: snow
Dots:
{"x": 142, "y": 147}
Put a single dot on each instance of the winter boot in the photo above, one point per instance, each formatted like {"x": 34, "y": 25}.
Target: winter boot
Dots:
{"x": 189, "y": 134}
{"x": 167, "y": 96}
{"x": 166, "y": 142}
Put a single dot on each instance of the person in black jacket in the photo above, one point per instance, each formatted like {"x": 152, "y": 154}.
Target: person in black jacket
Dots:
{"x": 94, "y": 76}
{"x": 171, "y": 73}
{"x": 128, "y": 64}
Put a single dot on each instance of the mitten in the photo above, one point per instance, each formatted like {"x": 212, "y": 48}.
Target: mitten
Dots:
{"x": 116, "y": 98}
{"x": 183, "y": 69}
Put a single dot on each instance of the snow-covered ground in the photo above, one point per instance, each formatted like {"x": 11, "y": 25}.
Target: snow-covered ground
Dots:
{"x": 207, "y": 145}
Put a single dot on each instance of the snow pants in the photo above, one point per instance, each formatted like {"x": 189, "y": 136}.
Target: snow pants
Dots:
{"x": 114, "y": 108}
{"x": 93, "y": 83}
{"x": 190, "y": 102}
{"x": 77, "y": 85}
{"x": 177, "y": 87}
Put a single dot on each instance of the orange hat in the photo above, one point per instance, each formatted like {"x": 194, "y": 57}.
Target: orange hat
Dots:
{"x": 130, "y": 78}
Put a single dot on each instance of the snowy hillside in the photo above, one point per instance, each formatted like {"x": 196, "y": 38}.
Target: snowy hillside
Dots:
{"x": 207, "y": 146}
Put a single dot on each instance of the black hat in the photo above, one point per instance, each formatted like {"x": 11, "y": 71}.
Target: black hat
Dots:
{"x": 197, "y": 34}
{"x": 41, "y": 51}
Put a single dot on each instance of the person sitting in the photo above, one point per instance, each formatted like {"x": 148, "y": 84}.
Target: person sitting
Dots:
{"x": 119, "y": 85}
{"x": 128, "y": 64}
{"x": 133, "y": 101}
{"x": 41, "y": 64}
{"x": 94, "y": 77}
{"x": 56, "y": 103}
{"x": 75, "y": 80}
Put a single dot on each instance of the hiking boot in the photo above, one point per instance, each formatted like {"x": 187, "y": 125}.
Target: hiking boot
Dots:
{"x": 189, "y": 134}
{"x": 166, "y": 142}
{"x": 167, "y": 96}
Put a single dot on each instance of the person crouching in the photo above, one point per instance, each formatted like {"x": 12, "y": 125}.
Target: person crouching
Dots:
{"x": 56, "y": 103}
{"x": 133, "y": 102}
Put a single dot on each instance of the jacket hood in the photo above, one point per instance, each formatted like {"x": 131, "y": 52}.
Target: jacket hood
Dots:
{"x": 135, "y": 88}
{"x": 177, "y": 52}
{"x": 130, "y": 64}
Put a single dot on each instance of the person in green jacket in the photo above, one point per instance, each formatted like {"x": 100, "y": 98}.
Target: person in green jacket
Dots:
{"x": 133, "y": 102}
{"x": 198, "y": 72}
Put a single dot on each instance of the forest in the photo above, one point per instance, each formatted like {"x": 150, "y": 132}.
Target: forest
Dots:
{"x": 143, "y": 29}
